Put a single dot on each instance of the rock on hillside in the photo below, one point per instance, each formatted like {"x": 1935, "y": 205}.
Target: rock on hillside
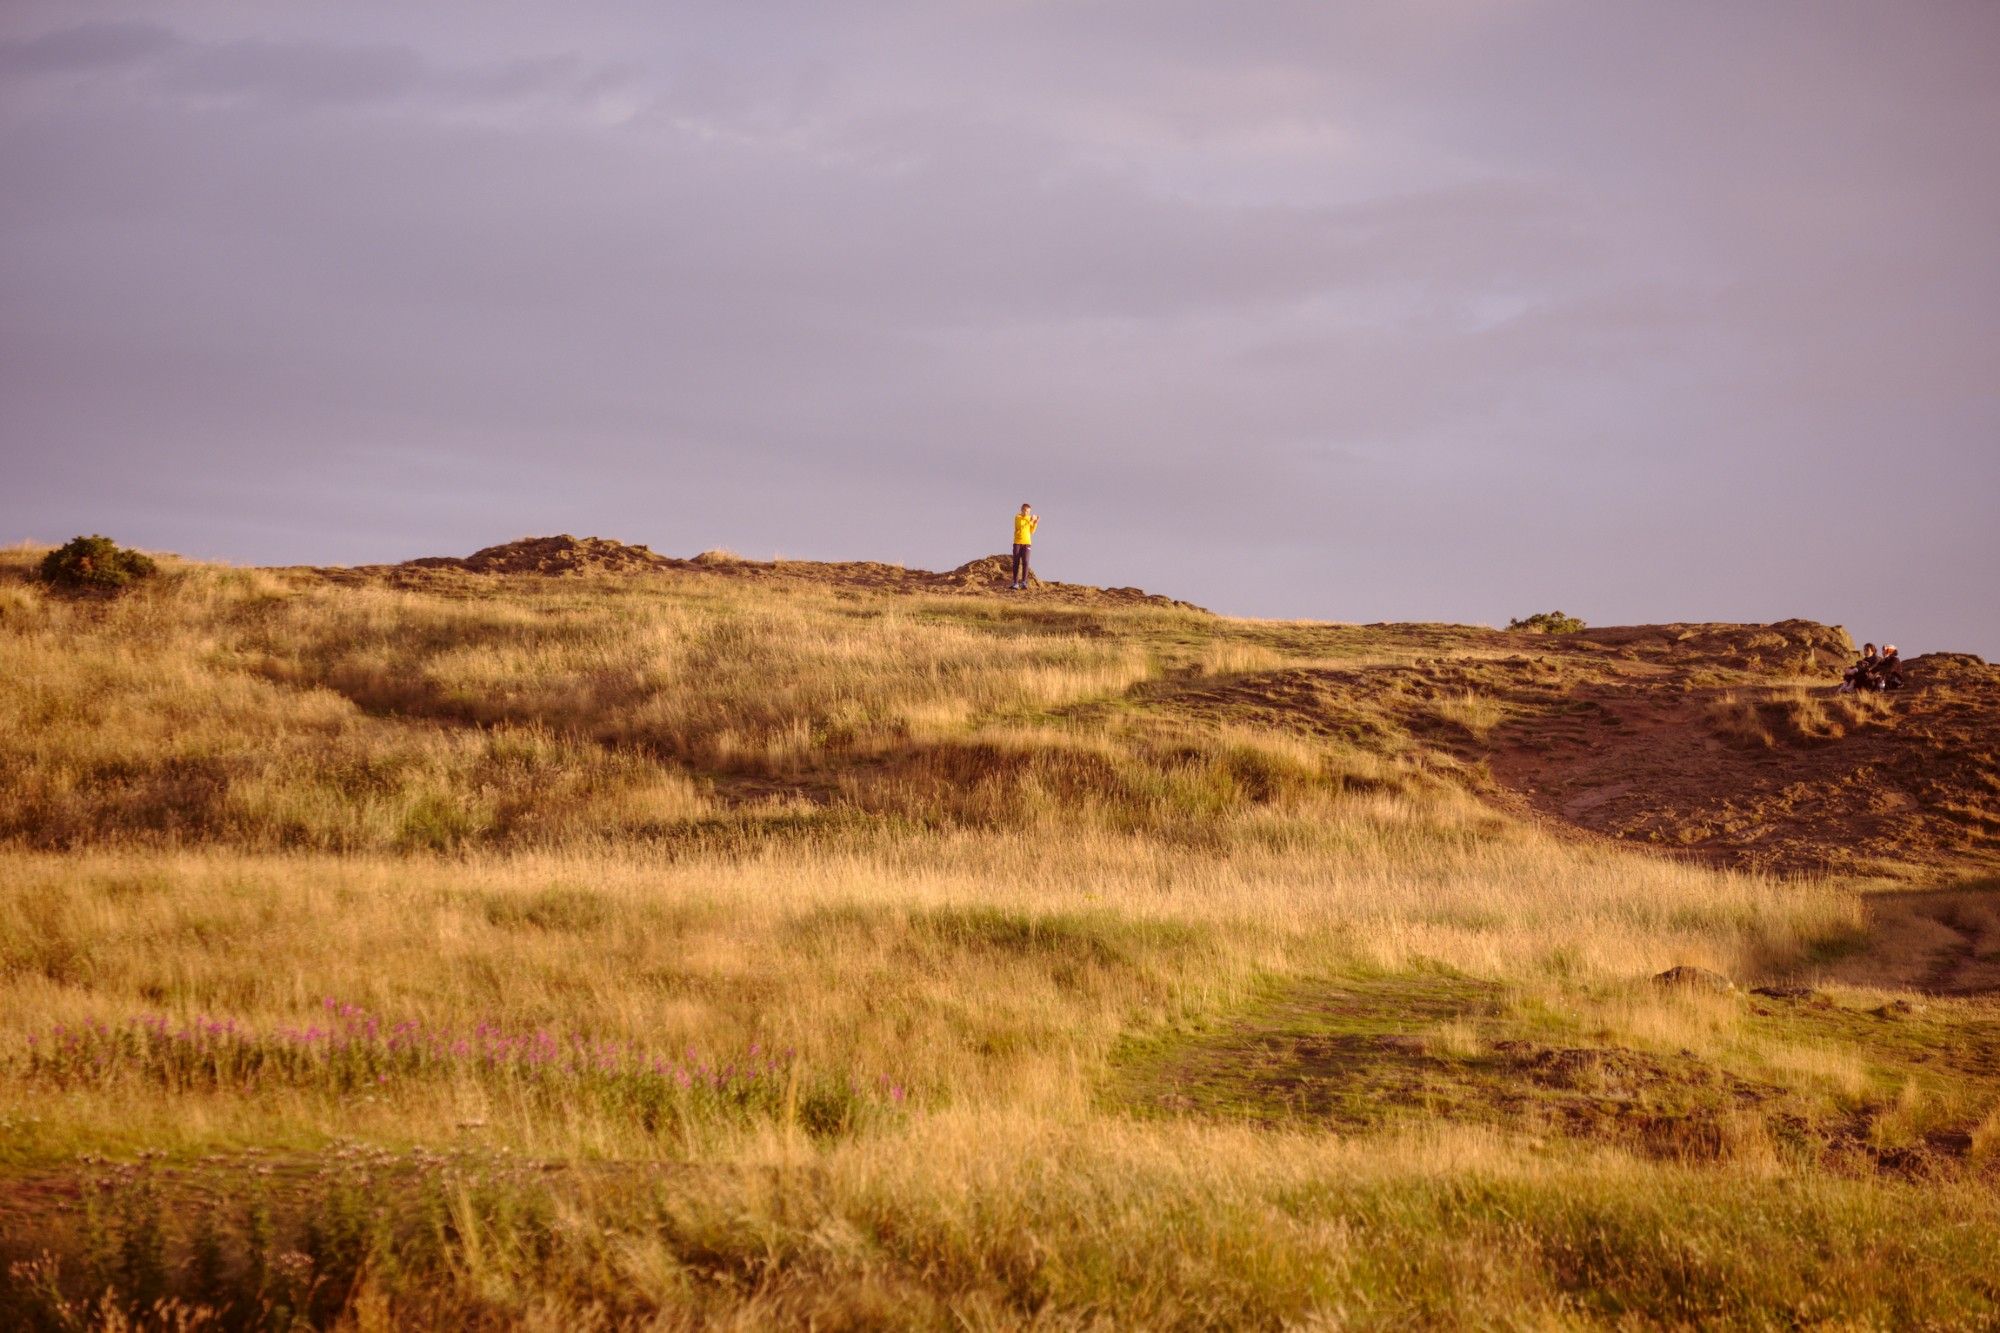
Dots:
{"x": 988, "y": 573}
{"x": 1797, "y": 647}
{"x": 983, "y": 575}
{"x": 997, "y": 571}
{"x": 564, "y": 556}
{"x": 551, "y": 556}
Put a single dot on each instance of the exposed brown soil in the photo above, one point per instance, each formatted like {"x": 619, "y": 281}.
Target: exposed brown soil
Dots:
{"x": 566, "y": 556}
{"x": 1695, "y": 738}
{"x": 1761, "y": 774}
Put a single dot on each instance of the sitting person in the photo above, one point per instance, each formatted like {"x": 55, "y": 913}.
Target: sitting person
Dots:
{"x": 1857, "y": 675}
{"x": 1888, "y": 671}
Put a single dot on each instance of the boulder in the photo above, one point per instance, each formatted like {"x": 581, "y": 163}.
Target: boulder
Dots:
{"x": 1694, "y": 978}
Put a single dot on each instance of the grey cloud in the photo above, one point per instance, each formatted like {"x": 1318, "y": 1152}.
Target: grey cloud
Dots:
{"x": 303, "y": 74}
{"x": 87, "y": 46}
{"x": 298, "y": 72}
{"x": 1450, "y": 310}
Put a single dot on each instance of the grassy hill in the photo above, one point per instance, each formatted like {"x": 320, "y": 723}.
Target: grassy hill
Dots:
{"x": 636, "y": 940}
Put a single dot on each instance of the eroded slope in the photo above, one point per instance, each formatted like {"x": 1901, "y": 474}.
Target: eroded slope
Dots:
{"x": 1723, "y": 741}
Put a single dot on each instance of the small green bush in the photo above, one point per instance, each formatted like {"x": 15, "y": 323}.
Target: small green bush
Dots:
{"x": 1547, "y": 622}
{"x": 96, "y": 563}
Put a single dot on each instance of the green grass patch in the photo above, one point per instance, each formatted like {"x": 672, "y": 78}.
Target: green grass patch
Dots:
{"x": 1858, "y": 1086}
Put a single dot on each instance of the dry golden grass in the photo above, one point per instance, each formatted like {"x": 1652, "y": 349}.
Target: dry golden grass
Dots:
{"x": 1794, "y": 715}
{"x": 948, "y": 857}
{"x": 1477, "y": 713}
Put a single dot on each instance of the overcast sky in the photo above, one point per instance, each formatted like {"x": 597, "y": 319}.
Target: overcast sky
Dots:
{"x": 1441, "y": 311}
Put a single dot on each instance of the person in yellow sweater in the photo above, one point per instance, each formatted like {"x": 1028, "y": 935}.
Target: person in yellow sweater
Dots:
{"x": 1025, "y": 523}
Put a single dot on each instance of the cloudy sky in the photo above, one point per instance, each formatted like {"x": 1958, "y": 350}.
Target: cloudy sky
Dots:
{"x": 1449, "y": 309}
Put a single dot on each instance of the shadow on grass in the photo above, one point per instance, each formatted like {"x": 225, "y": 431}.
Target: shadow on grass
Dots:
{"x": 1394, "y": 1052}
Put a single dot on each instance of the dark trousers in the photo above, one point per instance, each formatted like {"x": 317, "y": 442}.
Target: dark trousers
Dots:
{"x": 1020, "y": 562}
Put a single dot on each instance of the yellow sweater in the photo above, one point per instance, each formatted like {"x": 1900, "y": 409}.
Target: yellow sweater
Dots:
{"x": 1024, "y": 529}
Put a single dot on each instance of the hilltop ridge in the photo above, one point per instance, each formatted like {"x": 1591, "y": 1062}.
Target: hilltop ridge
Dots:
{"x": 565, "y": 556}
